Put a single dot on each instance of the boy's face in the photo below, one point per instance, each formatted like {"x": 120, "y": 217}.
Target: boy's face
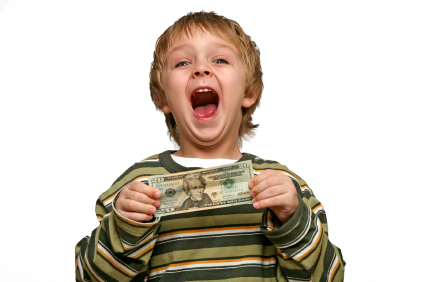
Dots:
{"x": 204, "y": 81}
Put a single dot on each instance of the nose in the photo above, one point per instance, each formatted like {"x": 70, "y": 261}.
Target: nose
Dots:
{"x": 202, "y": 70}
{"x": 207, "y": 73}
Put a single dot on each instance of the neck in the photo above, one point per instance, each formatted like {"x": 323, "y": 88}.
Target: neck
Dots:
{"x": 216, "y": 151}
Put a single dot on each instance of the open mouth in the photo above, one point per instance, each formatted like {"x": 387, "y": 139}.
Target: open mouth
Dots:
{"x": 204, "y": 103}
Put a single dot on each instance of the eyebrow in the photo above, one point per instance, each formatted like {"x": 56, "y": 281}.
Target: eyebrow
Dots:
{"x": 217, "y": 45}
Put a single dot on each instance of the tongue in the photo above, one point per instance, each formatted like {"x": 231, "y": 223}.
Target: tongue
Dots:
{"x": 206, "y": 111}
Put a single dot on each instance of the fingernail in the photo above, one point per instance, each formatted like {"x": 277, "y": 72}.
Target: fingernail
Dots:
{"x": 152, "y": 211}
{"x": 254, "y": 200}
{"x": 157, "y": 204}
{"x": 256, "y": 205}
{"x": 252, "y": 194}
{"x": 157, "y": 194}
{"x": 251, "y": 185}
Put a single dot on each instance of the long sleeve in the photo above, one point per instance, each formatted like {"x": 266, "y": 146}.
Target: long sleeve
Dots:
{"x": 222, "y": 244}
{"x": 119, "y": 249}
{"x": 304, "y": 250}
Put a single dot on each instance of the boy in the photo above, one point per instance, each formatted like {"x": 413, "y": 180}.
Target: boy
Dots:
{"x": 206, "y": 79}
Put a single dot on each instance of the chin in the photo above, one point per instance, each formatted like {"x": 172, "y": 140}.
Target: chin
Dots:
{"x": 214, "y": 133}
{"x": 208, "y": 136}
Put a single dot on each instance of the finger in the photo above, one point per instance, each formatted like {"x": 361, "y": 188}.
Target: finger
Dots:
{"x": 260, "y": 177}
{"x": 280, "y": 200}
{"x": 145, "y": 189}
{"x": 263, "y": 176}
{"x": 266, "y": 183}
{"x": 272, "y": 191}
{"x": 136, "y": 216}
{"x": 129, "y": 205}
{"x": 142, "y": 198}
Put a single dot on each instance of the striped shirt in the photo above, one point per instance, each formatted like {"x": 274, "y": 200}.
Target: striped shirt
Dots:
{"x": 237, "y": 243}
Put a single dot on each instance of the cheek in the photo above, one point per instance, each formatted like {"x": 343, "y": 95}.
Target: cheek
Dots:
{"x": 242, "y": 79}
{"x": 175, "y": 84}
{"x": 236, "y": 80}
{"x": 167, "y": 82}
{"x": 169, "y": 78}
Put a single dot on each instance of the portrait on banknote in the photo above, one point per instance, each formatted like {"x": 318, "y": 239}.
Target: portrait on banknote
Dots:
{"x": 194, "y": 186}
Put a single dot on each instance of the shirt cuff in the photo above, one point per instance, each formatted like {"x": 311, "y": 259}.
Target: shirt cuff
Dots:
{"x": 292, "y": 231}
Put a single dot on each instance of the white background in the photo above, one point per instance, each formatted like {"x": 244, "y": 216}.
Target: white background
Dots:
{"x": 343, "y": 106}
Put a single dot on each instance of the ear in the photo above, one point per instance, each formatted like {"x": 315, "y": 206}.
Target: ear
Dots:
{"x": 249, "y": 99}
{"x": 165, "y": 109}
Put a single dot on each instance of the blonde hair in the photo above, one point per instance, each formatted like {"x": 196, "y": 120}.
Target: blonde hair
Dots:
{"x": 224, "y": 28}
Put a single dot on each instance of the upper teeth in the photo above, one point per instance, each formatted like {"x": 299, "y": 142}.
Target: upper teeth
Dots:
{"x": 204, "y": 90}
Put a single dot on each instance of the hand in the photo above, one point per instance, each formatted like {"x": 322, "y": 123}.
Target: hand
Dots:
{"x": 137, "y": 201}
{"x": 272, "y": 189}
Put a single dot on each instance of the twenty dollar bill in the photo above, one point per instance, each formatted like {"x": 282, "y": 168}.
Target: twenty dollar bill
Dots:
{"x": 202, "y": 189}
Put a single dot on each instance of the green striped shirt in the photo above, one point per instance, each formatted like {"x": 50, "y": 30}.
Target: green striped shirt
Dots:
{"x": 237, "y": 243}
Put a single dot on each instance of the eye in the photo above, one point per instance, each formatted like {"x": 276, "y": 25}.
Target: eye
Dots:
{"x": 220, "y": 61}
{"x": 182, "y": 64}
